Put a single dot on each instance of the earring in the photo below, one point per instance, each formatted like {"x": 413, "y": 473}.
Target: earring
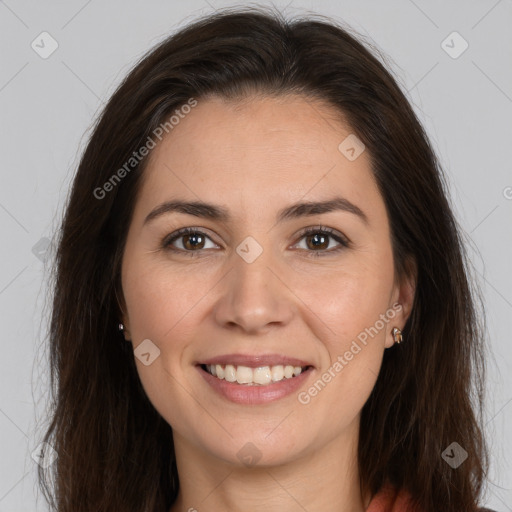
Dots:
{"x": 397, "y": 335}
{"x": 122, "y": 330}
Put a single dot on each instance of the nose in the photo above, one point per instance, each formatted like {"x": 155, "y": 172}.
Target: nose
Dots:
{"x": 254, "y": 296}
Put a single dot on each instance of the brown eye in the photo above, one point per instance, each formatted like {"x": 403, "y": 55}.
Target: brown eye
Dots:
{"x": 187, "y": 240}
{"x": 195, "y": 241}
{"x": 317, "y": 241}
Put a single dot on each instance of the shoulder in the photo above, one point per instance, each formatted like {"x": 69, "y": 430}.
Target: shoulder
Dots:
{"x": 486, "y": 510}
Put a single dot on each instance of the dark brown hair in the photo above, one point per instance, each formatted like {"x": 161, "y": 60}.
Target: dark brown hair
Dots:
{"x": 115, "y": 452}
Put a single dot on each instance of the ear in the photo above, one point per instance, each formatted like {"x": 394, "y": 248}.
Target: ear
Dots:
{"x": 126, "y": 330}
{"x": 403, "y": 294}
{"x": 123, "y": 317}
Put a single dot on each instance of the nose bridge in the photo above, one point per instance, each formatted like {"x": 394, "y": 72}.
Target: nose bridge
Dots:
{"x": 253, "y": 296}
{"x": 251, "y": 265}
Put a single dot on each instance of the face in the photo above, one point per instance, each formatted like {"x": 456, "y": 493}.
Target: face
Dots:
{"x": 260, "y": 282}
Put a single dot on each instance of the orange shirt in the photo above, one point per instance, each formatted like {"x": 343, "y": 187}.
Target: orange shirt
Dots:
{"x": 389, "y": 500}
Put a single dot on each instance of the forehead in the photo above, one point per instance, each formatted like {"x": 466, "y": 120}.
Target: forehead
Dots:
{"x": 270, "y": 149}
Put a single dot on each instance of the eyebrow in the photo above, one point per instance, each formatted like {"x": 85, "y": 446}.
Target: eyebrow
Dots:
{"x": 219, "y": 213}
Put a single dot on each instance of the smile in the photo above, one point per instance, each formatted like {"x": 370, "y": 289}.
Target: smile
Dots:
{"x": 246, "y": 385}
{"x": 260, "y": 376}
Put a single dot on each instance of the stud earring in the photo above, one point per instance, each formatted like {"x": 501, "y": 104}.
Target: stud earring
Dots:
{"x": 397, "y": 335}
{"x": 122, "y": 330}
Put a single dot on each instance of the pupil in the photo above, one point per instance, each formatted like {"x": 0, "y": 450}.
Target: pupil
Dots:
{"x": 316, "y": 237}
{"x": 194, "y": 240}
{"x": 195, "y": 243}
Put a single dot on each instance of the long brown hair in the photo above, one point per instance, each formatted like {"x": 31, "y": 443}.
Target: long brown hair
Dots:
{"x": 115, "y": 452}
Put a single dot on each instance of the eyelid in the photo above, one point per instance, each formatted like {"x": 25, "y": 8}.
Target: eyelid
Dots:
{"x": 342, "y": 241}
{"x": 175, "y": 235}
{"x": 326, "y": 230}
{"x": 340, "y": 238}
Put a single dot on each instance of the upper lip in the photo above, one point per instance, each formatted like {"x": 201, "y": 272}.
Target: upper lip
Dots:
{"x": 255, "y": 361}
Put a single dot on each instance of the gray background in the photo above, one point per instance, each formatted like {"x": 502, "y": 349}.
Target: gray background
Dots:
{"x": 47, "y": 106}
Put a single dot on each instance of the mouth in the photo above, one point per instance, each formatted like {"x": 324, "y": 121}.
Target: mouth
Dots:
{"x": 254, "y": 376}
{"x": 255, "y": 379}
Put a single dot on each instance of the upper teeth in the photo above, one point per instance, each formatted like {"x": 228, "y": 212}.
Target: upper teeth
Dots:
{"x": 247, "y": 375}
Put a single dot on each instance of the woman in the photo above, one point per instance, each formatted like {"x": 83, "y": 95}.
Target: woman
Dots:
{"x": 262, "y": 300}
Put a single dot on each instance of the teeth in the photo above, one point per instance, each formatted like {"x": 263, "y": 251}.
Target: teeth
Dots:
{"x": 230, "y": 373}
{"x": 262, "y": 375}
{"x": 244, "y": 375}
{"x": 218, "y": 371}
{"x": 277, "y": 373}
{"x": 253, "y": 376}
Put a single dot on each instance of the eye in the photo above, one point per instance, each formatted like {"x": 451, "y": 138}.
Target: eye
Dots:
{"x": 317, "y": 241}
{"x": 190, "y": 239}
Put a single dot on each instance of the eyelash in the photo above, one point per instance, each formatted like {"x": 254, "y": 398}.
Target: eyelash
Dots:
{"x": 344, "y": 243}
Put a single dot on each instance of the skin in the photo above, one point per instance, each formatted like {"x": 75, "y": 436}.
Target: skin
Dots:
{"x": 254, "y": 158}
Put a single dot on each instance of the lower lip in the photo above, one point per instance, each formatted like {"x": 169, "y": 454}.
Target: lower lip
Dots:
{"x": 257, "y": 394}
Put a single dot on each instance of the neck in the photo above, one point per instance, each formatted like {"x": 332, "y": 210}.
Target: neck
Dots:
{"x": 318, "y": 480}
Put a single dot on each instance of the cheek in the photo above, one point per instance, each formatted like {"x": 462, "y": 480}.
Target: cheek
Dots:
{"x": 349, "y": 299}
{"x": 160, "y": 308}
{"x": 349, "y": 306}
{"x": 348, "y": 322}
{"x": 158, "y": 299}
